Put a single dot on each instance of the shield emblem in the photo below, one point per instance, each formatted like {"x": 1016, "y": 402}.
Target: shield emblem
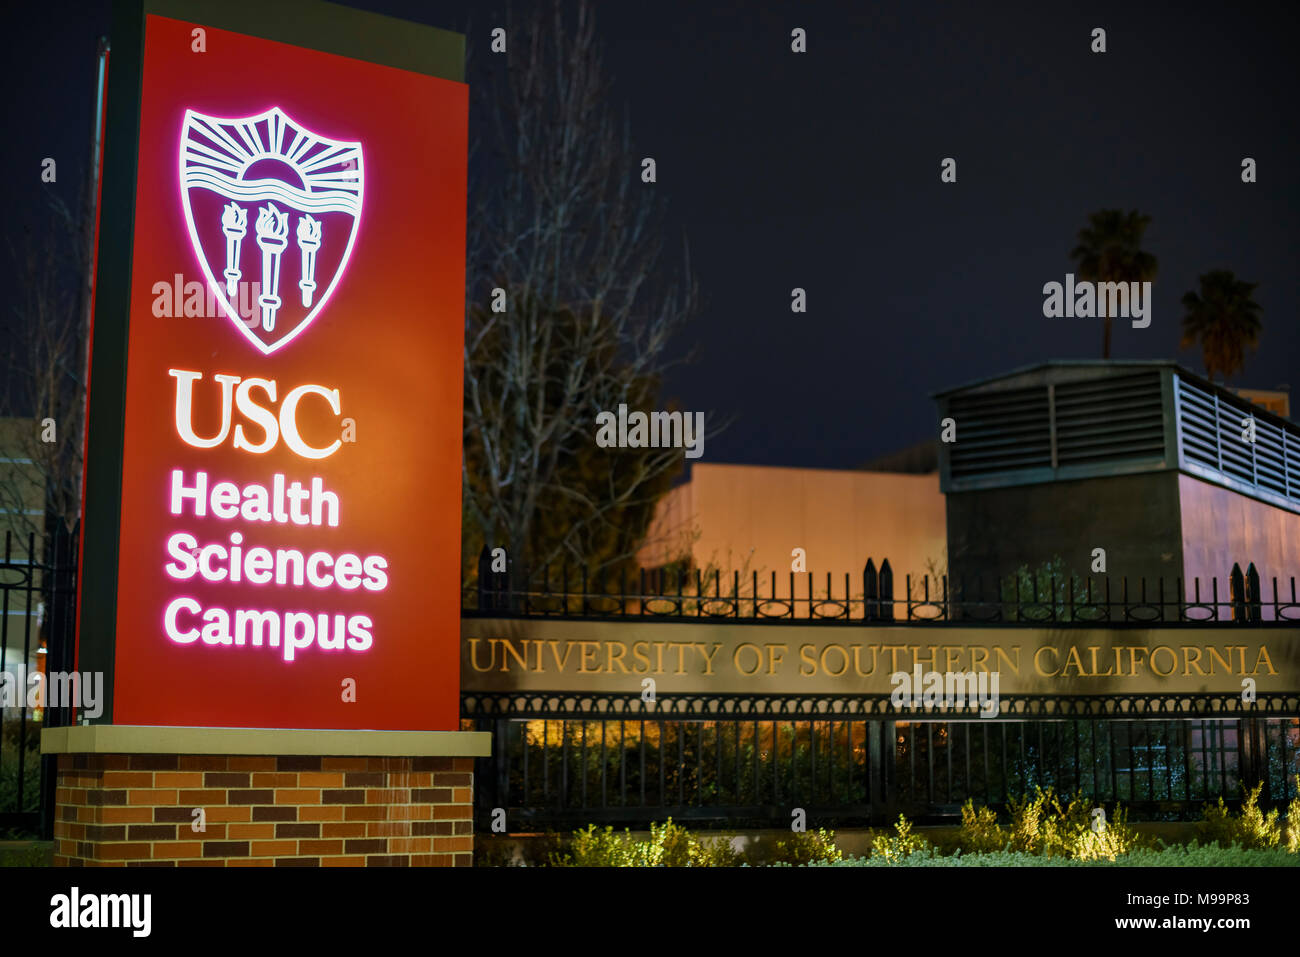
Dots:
{"x": 273, "y": 211}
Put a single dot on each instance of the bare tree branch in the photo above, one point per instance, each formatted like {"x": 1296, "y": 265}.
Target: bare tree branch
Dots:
{"x": 566, "y": 227}
{"x": 45, "y": 373}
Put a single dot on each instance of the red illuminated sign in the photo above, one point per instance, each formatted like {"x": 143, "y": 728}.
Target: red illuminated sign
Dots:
{"x": 289, "y": 547}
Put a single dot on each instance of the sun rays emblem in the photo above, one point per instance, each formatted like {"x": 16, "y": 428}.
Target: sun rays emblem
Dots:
{"x": 273, "y": 204}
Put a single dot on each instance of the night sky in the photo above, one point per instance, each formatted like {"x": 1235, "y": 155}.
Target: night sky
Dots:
{"x": 821, "y": 171}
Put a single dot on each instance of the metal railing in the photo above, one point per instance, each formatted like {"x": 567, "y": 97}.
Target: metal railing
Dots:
{"x": 37, "y": 637}
{"x": 873, "y": 596}
{"x": 565, "y": 759}
{"x": 752, "y": 771}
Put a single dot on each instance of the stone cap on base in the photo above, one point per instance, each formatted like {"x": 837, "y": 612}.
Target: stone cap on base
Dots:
{"x": 143, "y": 739}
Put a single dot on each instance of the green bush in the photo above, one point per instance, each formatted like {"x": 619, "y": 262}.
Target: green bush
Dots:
{"x": 493, "y": 850}
{"x": 1041, "y": 824}
{"x": 1044, "y": 829}
{"x": 1293, "y": 821}
{"x": 1061, "y": 828}
{"x": 1068, "y": 831}
{"x": 1216, "y": 823}
{"x": 808, "y": 847}
{"x": 1190, "y": 855}
{"x": 670, "y": 845}
{"x": 1258, "y": 829}
{"x": 33, "y": 854}
{"x": 1252, "y": 828}
{"x": 717, "y": 852}
{"x": 1115, "y": 839}
{"x": 1026, "y": 816}
{"x": 678, "y": 847}
{"x": 980, "y": 832}
{"x": 604, "y": 848}
{"x": 903, "y": 844}
{"x": 10, "y": 799}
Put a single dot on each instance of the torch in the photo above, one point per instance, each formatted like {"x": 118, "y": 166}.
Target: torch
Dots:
{"x": 234, "y": 223}
{"x": 272, "y": 237}
{"x": 308, "y": 242}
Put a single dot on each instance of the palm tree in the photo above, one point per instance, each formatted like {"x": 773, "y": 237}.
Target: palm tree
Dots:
{"x": 1110, "y": 250}
{"x": 1224, "y": 318}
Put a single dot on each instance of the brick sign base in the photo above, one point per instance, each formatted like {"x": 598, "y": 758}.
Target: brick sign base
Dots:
{"x": 165, "y": 809}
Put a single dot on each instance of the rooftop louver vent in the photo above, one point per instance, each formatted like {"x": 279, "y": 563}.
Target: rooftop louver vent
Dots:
{"x": 1000, "y": 432}
{"x": 1067, "y": 421}
{"x": 1115, "y": 419}
{"x": 1212, "y": 435}
{"x": 1109, "y": 420}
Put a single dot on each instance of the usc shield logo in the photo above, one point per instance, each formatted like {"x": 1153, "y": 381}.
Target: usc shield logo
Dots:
{"x": 268, "y": 201}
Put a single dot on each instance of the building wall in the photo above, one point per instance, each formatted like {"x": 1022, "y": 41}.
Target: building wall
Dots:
{"x": 749, "y": 518}
{"x": 1153, "y": 525}
{"x": 116, "y": 809}
{"x": 1275, "y": 400}
{"x": 1135, "y": 518}
{"x": 1220, "y": 527}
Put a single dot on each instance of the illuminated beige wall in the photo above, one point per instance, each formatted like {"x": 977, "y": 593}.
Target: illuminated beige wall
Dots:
{"x": 1275, "y": 400}
{"x": 1221, "y": 527}
{"x": 750, "y": 517}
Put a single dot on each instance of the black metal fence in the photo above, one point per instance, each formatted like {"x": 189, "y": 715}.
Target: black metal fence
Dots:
{"x": 1158, "y": 768}
{"x": 38, "y": 597}
{"x": 875, "y": 596}
{"x": 564, "y": 760}
{"x": 752, "y": 771}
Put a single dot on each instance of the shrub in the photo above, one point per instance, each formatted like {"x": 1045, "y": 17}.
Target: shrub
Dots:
{"x": 717, "y": 852}
{"x": 539, "y": 853}
{"x": 902, "y": 845}
{"x": 604, "y": 848}
{"x": 670, "y": 845}
{"x": 1258, "y": 829}
{"x": 1068, "y": 831}
{"x": 1190, "y": 855}
{"x": 1293, "y": 821}
{"x": 502, "y": 850}
{"x": 1042, "y": 824}
{"x": 33, "y": 854}
{"x": 10, "y": 757}
{"x": 1216, "y": 824}
{"x": 808, "y": 847}
{"x": 676, "y": 846}
{"x": 1078, "y": 841}
{"x": 493, "y": 851}
{"x": 1026, "y": 818}
{"x": 1253, "y": 828}
{"x": 980, "y": 831}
